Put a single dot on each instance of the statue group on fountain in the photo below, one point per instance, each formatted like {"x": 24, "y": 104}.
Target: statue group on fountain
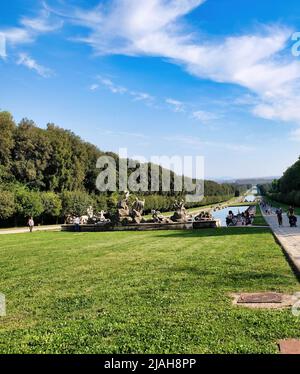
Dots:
{"x": 90, "y": 218}
{"x": 132, "y": 213}
{"x": 126, "y": 215}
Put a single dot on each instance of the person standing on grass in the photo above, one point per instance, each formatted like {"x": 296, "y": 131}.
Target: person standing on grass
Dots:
{"x": 77, "y": 224}
{"x": 279, "y": 216}
{"x": 31, "y": 224}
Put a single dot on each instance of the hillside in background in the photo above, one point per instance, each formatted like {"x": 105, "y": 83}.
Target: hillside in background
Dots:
{"x": 246, "y": 181}
{"x": 255, "y": 181}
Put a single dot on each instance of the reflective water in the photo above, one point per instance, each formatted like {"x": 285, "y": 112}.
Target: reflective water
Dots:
{"x": 251, "y": 196}
{"x": 222, "y": 214}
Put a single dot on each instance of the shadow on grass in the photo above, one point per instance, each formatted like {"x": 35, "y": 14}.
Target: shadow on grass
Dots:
{"x": 234, "y": 277}
{"x": 213, "y": 232}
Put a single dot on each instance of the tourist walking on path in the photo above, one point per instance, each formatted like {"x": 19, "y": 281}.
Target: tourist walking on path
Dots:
{"x": 31, "y": 224}
{"x": 291, "y": 211}
{"x": 279, "y": 216}
{"x": 291, "y": 216}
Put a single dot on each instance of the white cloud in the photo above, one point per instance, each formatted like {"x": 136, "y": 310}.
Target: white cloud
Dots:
{"x": 142, "y": 96}
{"x": 44, "y": 23}
{"x": 176, "y": 105}
{"x": 16, "y": 35}
{"x": 112, "y": 86}
{"x": 155, "y": 28}
{"x": 31, "y": 64}
{"x": 94, "y": 87}
{"x": 2, "y": 46}
{"x": 246, "y": 100}
{"x": 204, "y": 116}
{"x": 30, "y": 28}
{"x": 117, "y": 89}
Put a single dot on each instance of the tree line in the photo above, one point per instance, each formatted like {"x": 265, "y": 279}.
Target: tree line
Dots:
{"x": 49, "y": 173}
{"x": 287, "y": 188}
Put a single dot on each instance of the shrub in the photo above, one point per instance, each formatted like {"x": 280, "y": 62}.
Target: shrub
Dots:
{"x": 7, "y": 205}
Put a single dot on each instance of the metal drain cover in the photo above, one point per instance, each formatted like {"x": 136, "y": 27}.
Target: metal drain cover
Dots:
{"x": 260, "y": 298}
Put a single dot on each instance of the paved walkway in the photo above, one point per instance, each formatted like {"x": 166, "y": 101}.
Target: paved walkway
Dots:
{"x": 289, "y": 237}
{"x": 22, "y": 230}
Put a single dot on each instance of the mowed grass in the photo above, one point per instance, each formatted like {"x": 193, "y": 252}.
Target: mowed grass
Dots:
{"x": 142, "y": 292}
{"x": 259, "y": 219}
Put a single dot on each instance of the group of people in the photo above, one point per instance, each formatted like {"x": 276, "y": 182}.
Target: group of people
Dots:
{"x": 279, "y": 213}
{"x": 244, "y": 218}
{"x": 267, "y": 208}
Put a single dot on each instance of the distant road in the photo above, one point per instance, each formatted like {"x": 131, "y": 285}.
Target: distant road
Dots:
{"x": 23, "y": 230}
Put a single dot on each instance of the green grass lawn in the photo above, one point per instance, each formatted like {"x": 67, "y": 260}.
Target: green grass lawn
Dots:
{"x": 259, "y": 219}
{"x": 142, "y": 292}
{"x": 243, "y": 204}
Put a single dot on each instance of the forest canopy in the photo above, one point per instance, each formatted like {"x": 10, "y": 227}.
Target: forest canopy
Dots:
{"x": 287, "y": 188}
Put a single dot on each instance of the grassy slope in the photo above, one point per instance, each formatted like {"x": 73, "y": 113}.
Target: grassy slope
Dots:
{"x": 149, "y": 292}
{"x": 259, "y": 219}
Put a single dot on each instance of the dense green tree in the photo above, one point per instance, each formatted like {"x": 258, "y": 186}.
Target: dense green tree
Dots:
{"x": 66, "y": 169}
{"x": 91, "y": 172}
{"x": 31, "y": 154}
{"x": 52, "y": 205}
{"x": 7, "y": 129}
{"x": 7, "y": 204}
{"x": 75, "y": 203}
{"x": 287, "y": 188}
{"x": 28, "y": 203}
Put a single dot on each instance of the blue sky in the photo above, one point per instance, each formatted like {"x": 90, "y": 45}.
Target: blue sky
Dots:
{"x": 214, "y": 78}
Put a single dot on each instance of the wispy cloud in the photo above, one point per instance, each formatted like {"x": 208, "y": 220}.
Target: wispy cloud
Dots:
{"x": 172, "y": 104}
{"x": 176, "y": 105}
{"x": 94, "y": 87}
{"x": 43, "y": 23}
{"x": 30, "y": 63}
{"x": 30, "y": 28}
{"x": 16, "y": 35}
{"x": 2, "y": 46}
{"x": 204, "y": 116}
{"x": 112, "y": 86}
{"x": 155, "y": 28}
{"x": 120, "y": 90}
{"x": 142, "y": 96}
